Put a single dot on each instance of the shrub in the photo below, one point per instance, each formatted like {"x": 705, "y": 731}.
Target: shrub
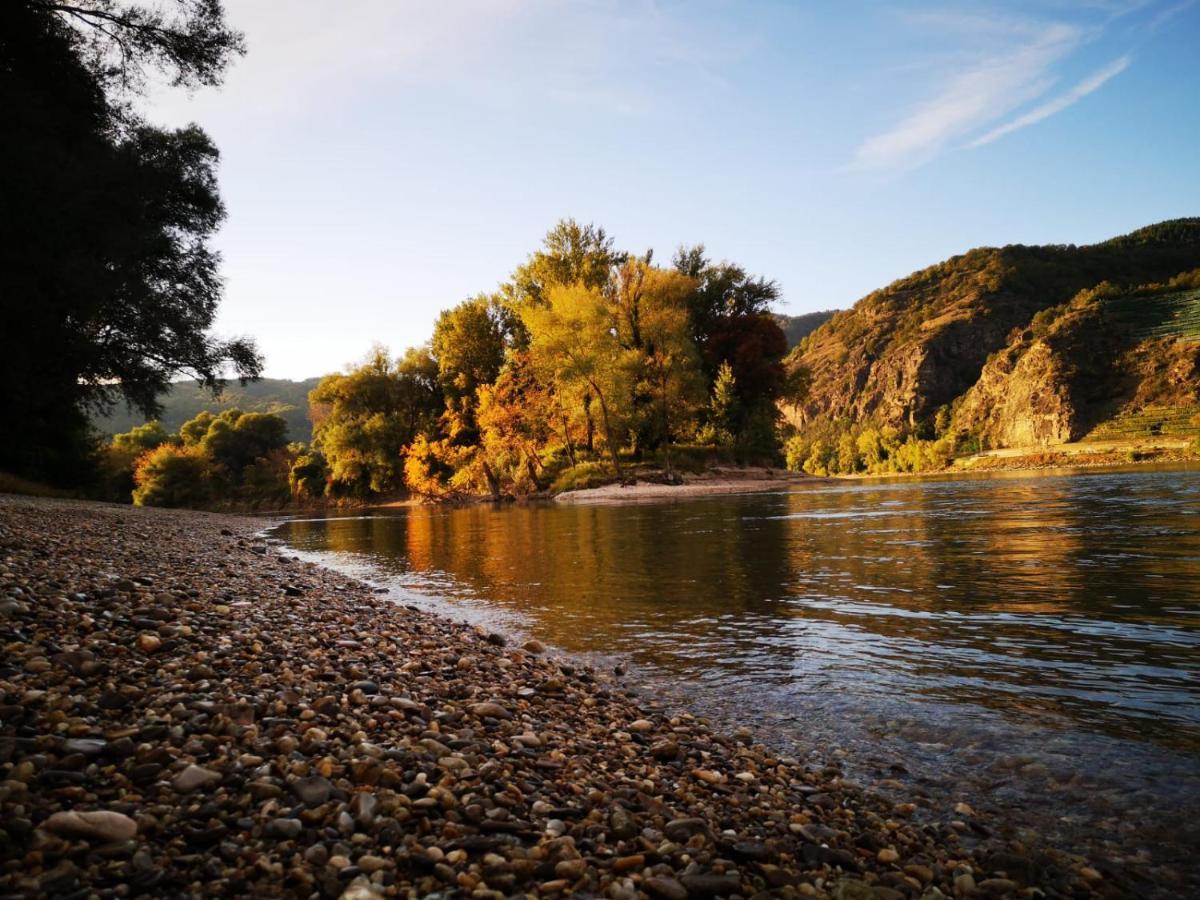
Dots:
{"x": 172, "y": 476}
{"x": 582, "y": 476}
{"x": 309, "y": 474}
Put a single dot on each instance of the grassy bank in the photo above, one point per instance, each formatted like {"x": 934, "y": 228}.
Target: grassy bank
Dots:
{"x": 187, "y": 711}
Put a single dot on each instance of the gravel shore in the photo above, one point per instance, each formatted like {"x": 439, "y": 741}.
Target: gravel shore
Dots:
{"x": 185, "y": 712}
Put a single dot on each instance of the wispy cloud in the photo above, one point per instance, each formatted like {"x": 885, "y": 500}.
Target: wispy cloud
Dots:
{"x": 983, "y": 92}
{"x": 1089, "y": 85}
{"x": 1169, "y": 13}
{"x": 998, "y": 70}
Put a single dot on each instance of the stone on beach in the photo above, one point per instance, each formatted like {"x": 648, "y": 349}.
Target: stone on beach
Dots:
{"x": 100, "y": 826}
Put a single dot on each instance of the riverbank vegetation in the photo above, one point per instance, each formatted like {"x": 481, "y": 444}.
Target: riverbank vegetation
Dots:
{"x": 589, "y": 365}
{"x": 1013, "y": 348}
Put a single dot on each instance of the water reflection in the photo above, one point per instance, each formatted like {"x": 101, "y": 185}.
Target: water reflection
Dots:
{"x": 1075, "y": 597}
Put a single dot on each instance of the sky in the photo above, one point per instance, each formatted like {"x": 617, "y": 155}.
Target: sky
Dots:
{"x": 383, "y": 160}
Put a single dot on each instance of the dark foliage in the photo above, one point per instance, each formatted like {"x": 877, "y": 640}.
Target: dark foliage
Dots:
{"x": 107, "y": 282}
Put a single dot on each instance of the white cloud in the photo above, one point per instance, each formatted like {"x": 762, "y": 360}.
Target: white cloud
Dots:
{"x": 1058, "y": 104}
{"x": 505, "y": 51}
{"x": 983, "y": 92}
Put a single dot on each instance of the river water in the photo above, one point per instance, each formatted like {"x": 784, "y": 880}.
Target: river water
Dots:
{"x": 1026, "y": 643}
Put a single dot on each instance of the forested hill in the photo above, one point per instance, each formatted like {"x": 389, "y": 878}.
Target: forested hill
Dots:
{"x": 184, "y": 399}
{"x": 797, "y": 328}
{"x": 1015, "y": 344}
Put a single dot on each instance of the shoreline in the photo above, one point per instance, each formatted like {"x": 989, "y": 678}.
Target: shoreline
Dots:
{"x": 716, "y": 481}
{"x": 251, "y": 725}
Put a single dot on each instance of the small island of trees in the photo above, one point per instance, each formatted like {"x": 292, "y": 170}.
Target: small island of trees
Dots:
{"x": 589, "y": 365}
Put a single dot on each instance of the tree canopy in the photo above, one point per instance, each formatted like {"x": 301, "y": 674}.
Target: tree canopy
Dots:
{"x": 109, "y": 281}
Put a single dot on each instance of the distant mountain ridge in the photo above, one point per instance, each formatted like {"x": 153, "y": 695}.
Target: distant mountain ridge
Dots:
{"x": 797, "y": 328}
{"x": 186, "y": 399}
{"x": 1016, "y": 344}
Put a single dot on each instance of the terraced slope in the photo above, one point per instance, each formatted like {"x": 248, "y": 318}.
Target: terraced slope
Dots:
{"x": 1174, "y": 315}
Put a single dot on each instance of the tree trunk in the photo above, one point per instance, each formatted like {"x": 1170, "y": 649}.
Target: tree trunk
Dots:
{"x": 591, "y": 426}
{"x": 492, "y": 480}
{"x": 567, "y": 442}
{"x": 608, "y": 436}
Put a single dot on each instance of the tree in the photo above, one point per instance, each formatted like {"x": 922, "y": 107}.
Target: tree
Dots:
{"x": 119, "y": 459}
{"x": 724, "y": 413}
{"x": 173, "y": 476}
{"x": 468, "y": 344}
{"x": 574, "y": 345}
{"x": 110, "y": 285}
{"x": 363, "y": 420}
{"x": 571, "y": 253}
{"x": 235, "y": 440}
{"x": 519, "y": 417}
{"x": 723, "y": 291}
{"x": 652, "y": 312}
{"x": 188, "y": 40}
{"x": 732, "y": 325}
{"x": 308, "y": 476}
{"x": 141, "y": 438}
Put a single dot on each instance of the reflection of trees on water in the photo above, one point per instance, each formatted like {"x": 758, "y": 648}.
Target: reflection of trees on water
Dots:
{"x": 1030, "y": 597}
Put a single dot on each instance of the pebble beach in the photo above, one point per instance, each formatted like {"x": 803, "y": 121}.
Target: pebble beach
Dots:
{"x": 188, "y": 710}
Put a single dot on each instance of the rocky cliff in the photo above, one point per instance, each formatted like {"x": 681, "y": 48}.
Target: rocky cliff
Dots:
{"x": 1016, "y": 345}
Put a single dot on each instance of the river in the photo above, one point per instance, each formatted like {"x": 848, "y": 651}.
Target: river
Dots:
{"x": 1027, "y": 643}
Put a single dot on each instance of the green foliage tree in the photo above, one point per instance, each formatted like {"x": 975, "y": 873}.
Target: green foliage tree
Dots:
{"x": 309, "y": 475}
{"x": 141, "y": 438}
{"x": 571, "y": 253}
{"x": 109, "y": 282}
{"x": 235, "y": 440}
{"x": 468, "y": 344}
{"x": 362, "y": 420}
{"x": 724, "y": 413}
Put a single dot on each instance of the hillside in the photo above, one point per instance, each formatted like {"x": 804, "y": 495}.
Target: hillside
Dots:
{"x": 1021, "y": 344}
{"x": 797, "y": 328}
{"x": 185, "y": 399}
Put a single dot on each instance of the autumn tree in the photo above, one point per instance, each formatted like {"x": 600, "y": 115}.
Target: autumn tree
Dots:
{"x": 519, "y": 419}
{"x": 571, "y": 253}
{"x": 651, "y": 310}
{"x": 119, "y": 459}
{"x": 574, "y": 345}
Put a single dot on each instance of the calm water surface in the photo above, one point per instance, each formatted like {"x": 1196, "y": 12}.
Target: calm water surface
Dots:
{"x": 1029, "y": 644}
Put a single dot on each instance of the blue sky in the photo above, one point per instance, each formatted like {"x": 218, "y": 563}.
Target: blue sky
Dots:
{"x": 381, "y": 166}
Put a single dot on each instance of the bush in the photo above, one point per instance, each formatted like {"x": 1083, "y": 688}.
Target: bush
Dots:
{"x": 849, "y": 450}
{"x": 309, "y": 474}
{"x": 581, "y": 477}
{"x": 693, "y": 458}
{"x": 173, "y": 476}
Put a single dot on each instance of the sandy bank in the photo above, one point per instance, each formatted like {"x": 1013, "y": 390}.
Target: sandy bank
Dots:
{"x": 186, "y": 711}
{"x": 712, "y": 482}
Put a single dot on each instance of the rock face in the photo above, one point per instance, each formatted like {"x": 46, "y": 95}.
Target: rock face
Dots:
{"x": 1078, "y": 366}
{"x": 923, "y": 342}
